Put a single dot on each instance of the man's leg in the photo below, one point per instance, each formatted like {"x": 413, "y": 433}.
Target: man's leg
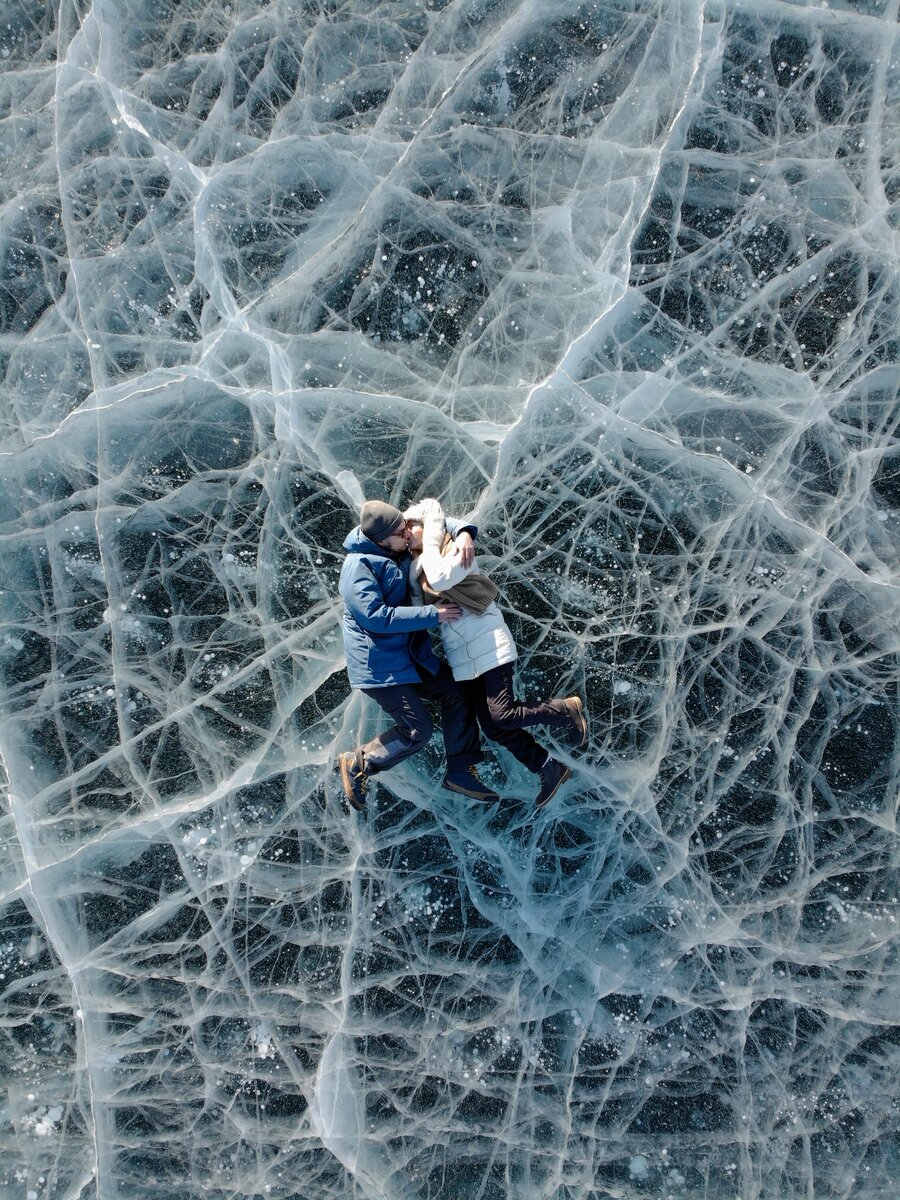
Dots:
{"x": 412, "y": 728}
{"x": 411, "y": 731}
{"x": 462, "y": 742}
{"x": 459, "y": 723}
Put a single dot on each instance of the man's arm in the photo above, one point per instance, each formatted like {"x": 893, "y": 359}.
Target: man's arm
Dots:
{"x": 362, "y": 595}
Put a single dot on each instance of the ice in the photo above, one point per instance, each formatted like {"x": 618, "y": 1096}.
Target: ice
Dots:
{"x": 617, "y": 278}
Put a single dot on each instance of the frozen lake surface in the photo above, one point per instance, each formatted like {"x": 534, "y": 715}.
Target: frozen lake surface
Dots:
{"x": 620, "y": 279}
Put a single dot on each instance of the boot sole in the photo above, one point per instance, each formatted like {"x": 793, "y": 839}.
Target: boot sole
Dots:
{"x": 460, "y": 791}
{"x": 547, "y": 799}
{"x": 347, "y": 784}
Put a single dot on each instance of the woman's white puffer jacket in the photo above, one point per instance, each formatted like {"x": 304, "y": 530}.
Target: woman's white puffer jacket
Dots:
{"x": 476, "y": 641}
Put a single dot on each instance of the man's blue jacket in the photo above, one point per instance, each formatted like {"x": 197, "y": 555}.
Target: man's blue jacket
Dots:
{"x": 385, "y": 637}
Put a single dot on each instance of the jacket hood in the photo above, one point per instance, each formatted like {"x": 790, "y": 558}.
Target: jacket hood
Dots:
{"x": 356, "y": 542}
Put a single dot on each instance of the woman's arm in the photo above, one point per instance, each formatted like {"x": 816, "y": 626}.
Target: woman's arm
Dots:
{"x": 441, "y": 570}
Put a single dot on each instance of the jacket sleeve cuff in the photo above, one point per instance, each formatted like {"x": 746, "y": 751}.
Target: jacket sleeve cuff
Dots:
{"x": 455, "y": 528}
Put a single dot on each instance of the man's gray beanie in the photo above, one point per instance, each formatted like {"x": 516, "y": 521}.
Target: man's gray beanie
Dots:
{"x": 379, "y": 521}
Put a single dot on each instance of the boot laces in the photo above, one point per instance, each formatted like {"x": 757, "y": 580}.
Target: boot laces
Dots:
{"x": 359, "y": 776}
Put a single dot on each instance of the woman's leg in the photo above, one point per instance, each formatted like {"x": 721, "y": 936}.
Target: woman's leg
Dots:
{"x": 520, "y": 744}
{"x": 509, "y": 713}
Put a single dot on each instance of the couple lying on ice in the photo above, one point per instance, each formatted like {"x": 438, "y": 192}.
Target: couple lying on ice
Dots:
{"x": 407, "y": 573}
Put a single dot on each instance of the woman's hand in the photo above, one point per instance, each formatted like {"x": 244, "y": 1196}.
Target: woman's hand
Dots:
{"x": 465, "y": 547}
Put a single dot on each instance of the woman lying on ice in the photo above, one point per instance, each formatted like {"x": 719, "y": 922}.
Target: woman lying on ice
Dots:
{"x": 480, "y": 649}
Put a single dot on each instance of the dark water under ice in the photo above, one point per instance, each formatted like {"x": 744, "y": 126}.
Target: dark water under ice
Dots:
{"x": 620, "y": 279}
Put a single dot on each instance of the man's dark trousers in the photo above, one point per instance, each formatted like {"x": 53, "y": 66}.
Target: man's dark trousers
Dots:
{"x": 413, "y": 727}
